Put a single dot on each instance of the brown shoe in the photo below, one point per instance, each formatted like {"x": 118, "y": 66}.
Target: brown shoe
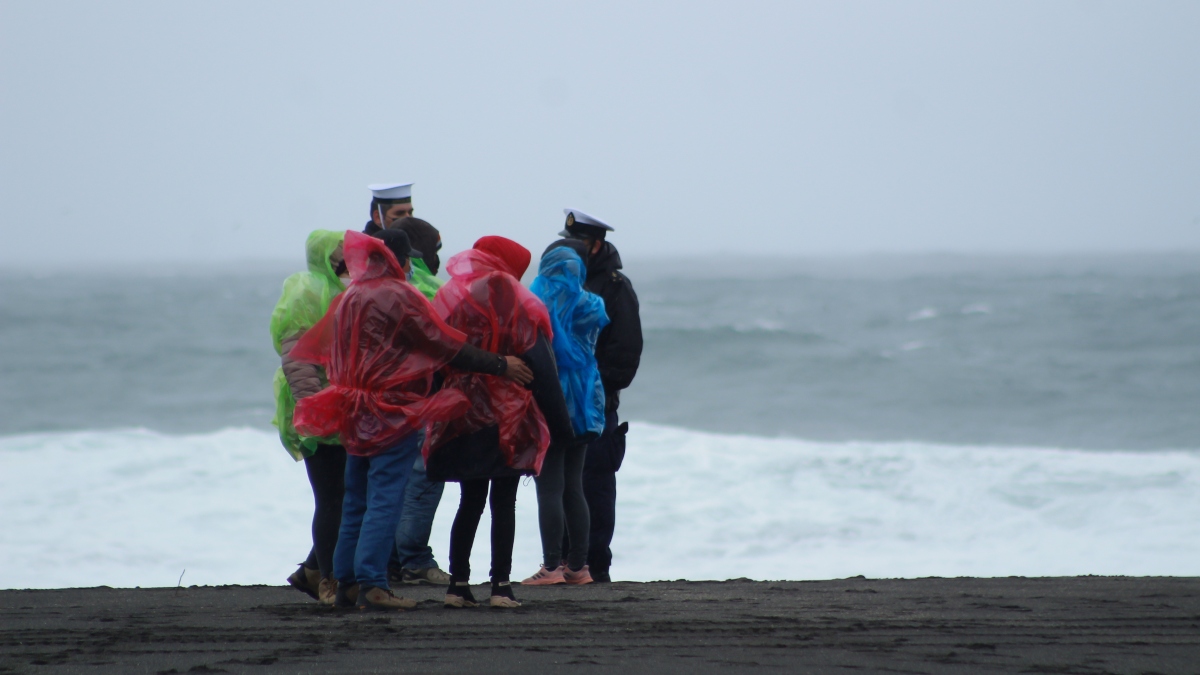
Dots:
{"x": 383, "y": 600}
{"x": 347, "y": 596}
{"x": 327, "y": 592}
{"x": 306, "y": 581}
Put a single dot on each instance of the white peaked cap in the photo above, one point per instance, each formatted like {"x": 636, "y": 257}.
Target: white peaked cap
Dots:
{"x": 391, "y": 191}
{"x": 584, "y": 219}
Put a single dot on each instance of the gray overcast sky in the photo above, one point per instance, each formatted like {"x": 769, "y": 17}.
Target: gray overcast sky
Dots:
{"x": 224, "y": 130}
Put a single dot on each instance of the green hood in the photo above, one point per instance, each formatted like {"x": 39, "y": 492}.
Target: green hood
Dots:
{"x": 305, "y": 299}
{"x": 320, "y": 245}
{"x": 306, "y": 295}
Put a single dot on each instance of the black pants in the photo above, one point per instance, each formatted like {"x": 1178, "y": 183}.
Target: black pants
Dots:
{"x": 603, "y": 459}
{"x": 560, "y": 499}
{"x": 327, "y": 474}
{"x": 466, "y": 522}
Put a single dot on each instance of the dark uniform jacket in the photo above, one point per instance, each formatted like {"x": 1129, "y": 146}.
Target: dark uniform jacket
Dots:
{"x": 619, "y": 348}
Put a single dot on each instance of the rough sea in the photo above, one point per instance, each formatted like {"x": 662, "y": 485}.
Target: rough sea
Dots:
{"x": 893, "y": 416}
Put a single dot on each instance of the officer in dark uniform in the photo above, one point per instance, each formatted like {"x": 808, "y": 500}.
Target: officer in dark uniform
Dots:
{"x": 618, "y": 353}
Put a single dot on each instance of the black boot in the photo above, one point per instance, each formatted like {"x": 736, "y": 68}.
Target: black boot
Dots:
{"x": 459, "y": 595}
{"x": 502, "y": 596}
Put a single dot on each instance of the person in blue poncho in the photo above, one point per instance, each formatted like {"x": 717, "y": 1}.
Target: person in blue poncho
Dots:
{"x": 618, "y": 355}
{"x": 577, "y": 317}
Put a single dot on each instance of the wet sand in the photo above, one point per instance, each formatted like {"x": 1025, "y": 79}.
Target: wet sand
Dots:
{"x": 1086, "y": 625}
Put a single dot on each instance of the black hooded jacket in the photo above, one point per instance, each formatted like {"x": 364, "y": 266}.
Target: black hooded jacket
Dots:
{"x": 619, "y": 348}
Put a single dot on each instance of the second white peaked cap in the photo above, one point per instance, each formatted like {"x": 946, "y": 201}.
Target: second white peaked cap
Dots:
{"x": 391, "y": 191}
{"x": 575, "y": 216}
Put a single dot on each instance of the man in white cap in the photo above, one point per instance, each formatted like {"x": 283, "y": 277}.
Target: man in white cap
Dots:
{"x": 618, "y": 354}
{"x": 412, "y": 560}
{"x": 389, "y": 202}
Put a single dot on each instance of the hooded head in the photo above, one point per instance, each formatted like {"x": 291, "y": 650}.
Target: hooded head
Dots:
{"x": 370, "y": 257}
{"x": 579, "y": 246}
{"x": 562, "y": 261}
{"x": 514, "y": 256}
{"x": 424, "y": 237}
{"x": 323, "y": 251}
{"x": 398, "y": 243}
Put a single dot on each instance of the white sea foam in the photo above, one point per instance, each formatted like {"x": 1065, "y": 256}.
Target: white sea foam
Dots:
{"x": 127, "y": 508}
{"x": 923, "y": 314}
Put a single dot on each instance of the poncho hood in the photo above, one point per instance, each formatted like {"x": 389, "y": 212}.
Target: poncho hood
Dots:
{"x": 318, "y": 249}
{"x": 576, "y": 317}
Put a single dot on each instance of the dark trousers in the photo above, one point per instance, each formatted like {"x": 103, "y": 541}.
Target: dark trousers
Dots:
{"x": 466, "y": 522}
{"x": 562, "y": 508}
{"x": 327, "y": 475}
{"x": 604, "y": 457}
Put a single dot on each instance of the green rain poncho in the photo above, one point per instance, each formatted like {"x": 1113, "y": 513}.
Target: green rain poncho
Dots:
{"x": 423, "y": 280}
{"x": 306, "y": 297}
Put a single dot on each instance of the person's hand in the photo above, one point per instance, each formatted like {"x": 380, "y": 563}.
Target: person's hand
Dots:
{"x": 518, "y": 371}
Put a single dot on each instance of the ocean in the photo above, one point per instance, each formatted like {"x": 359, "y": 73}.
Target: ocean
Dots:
{"x": 893, "y": 416}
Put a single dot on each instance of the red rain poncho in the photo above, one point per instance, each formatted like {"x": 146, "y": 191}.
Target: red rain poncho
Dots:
{"x": 485, "y": 299}
{"x": 380, "y": 344}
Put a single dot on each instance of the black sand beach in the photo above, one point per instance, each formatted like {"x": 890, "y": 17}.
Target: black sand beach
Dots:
{"x": 1085, "y": 625}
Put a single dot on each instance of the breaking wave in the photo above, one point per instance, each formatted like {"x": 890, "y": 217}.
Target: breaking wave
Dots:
{"x": 137, "y": 508}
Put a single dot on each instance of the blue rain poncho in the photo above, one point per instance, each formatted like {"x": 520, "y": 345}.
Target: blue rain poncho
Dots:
{"x": 577, "y": 317}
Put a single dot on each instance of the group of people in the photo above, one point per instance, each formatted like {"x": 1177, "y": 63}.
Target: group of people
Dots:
{"x": 394, "y": 382}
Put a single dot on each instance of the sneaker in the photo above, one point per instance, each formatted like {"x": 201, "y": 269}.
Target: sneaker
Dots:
{"x": 545, "y": 577}
{"x": 459, "y": 596}
{"x": 502, "y": 596}
{"x": 432, "y": 576}
{"x": 347, "y": 596}
{"x": 576, "y": 577}
{"x": 306, "y": 581}
{"x": 376, "y": 599}
{"x": 600, "y": 577}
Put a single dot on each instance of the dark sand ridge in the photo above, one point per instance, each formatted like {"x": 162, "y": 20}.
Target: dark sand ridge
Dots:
{"x": 1086, "y": 625}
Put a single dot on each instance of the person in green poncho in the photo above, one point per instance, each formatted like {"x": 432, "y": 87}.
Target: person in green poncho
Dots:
{"x": 305, "y": 299}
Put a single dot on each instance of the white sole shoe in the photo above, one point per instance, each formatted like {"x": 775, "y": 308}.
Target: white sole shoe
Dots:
{"x": 501, "y": 602}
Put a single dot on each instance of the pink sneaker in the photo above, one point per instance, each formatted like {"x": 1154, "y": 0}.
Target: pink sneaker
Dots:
{"x": 579, "y": 578}
{"x": 545, "y": 577}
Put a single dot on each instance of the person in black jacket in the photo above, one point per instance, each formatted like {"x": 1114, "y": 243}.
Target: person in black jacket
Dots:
{"x": 618, "y": 354}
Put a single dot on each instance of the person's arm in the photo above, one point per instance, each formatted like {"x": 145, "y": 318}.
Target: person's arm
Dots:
{"x": 476, "y": 360}
{"x": 547, "y": 391}
{"x": 304, "y": 379}
{"x": 619, "y": 348}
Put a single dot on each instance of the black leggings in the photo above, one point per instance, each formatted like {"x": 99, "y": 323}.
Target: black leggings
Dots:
{"x": 327, "y": 474}
{"x": 466, "y": 522}
{"x": 560, "y": 498}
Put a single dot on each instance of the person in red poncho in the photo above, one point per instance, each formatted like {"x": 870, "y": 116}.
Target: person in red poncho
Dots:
{"x": 381, "y": 344}
{"x": 507, "y": 429}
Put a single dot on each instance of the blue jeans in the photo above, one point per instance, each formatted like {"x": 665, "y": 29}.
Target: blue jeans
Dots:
{"x": 421, "y": 499}
{"x": 371, "y": 509}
